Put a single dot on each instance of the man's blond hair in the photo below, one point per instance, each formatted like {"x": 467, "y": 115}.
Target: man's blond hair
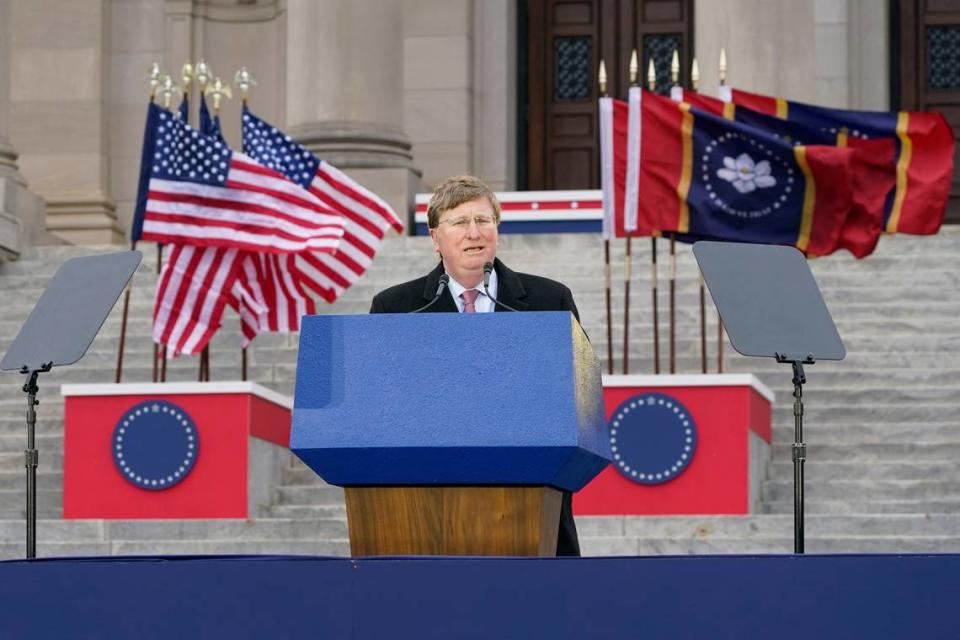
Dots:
{"x": 453, "y": 192}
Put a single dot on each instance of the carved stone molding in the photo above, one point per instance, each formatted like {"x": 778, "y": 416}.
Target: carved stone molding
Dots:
{"x": 8, "y": 162}
{"x": 357, "y": 145}
{"x": 83, "y": 218}
{"x": 10, "y": 230}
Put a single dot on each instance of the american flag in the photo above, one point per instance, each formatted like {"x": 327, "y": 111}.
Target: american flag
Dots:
{"x": 195, "y": 282}
{"x": 199, "y": 192}
{"x": 366, "y": 217}
{"x": 215, "y": 207}
{"x": 271, "y": 292}
{"x": 194, "y": 287}
{"x": 269, "y": 296}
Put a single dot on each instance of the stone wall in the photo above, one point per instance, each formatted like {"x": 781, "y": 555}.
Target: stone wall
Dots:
{"x": 399, "y": 93}
{"x": 830, "y": 52}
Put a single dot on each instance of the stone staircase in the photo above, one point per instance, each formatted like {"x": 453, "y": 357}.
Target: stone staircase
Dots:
{"x": 882, "y": 426}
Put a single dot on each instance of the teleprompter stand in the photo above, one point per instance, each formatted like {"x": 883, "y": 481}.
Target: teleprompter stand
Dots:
{"x": 58, "y": 332}
{"x": 772, "y": 308}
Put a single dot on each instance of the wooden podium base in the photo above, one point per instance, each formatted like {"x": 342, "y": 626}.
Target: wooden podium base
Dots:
{"x": 453, "y": 521}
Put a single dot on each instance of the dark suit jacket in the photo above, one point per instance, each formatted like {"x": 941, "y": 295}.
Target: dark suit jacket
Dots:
{"x": 521, "y": 291}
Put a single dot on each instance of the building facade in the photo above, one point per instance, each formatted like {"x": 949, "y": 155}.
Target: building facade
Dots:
{"x": 401, "y": 93}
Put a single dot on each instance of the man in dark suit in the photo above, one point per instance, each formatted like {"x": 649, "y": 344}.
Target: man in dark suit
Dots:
{"x": 463, "y": 216}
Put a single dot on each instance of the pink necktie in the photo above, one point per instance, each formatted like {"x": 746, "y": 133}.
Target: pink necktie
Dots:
{"x": 469, "y": 300}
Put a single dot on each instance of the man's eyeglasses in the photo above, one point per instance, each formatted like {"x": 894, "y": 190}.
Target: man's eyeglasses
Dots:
{"x": 463, "y": 223}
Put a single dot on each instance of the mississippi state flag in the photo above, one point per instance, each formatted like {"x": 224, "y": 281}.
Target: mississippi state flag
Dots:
{"x": 705, "y": 176}
{"x": 924, "y": 148}
{"x": 872, "y": 165}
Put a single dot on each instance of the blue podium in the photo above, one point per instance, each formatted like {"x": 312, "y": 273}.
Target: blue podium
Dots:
{"x": 452, "y": 434}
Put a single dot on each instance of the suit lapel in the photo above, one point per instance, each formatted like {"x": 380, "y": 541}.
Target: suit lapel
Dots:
{"x": 445, "y": 303}
{"x": 510, "y": 290}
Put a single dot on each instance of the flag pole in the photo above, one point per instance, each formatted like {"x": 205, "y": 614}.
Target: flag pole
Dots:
{"x": 634, "y": 70}
{"x": 244, "y": 80}
{"x": 123, "y": 323}
{"x": 607, "y": 277}
{"x": 160, "y": 353}
{"x": 675, "y": 79}
{"x": 722, "y": 74}
{"x": 203, "y": 75}
{"x": 217, "y": 92}
{"x": 652, "y": 85}
{"x": 695, "y": 85}
{"x": 153, "y": 78}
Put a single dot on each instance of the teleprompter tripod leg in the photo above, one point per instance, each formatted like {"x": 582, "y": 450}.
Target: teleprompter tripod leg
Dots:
{"x": 799, "y": 455}
{"x": 31, "y": 460}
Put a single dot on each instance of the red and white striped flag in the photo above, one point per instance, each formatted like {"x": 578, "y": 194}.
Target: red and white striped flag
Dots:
{"x": 366, "y": 218}
{"x": 268, "y": 295}
{"x": 215, "y": 208}
{"x": 202, "y": 193}
{"x": 194, "y": 288}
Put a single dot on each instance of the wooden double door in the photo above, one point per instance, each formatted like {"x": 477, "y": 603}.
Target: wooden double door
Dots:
{"x": 928, "y": 74}
{"x": 565, "y": 41}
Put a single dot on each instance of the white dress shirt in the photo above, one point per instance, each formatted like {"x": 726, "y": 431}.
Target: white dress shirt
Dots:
{"x": 483, "y": 304}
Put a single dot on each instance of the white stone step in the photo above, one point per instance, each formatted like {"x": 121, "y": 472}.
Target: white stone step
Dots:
{"x": 331, "y": 547}
{"x": 740, "y": 527}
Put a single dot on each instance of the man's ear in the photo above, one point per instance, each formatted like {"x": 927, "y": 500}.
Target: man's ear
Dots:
{"x": 433, "y": 236}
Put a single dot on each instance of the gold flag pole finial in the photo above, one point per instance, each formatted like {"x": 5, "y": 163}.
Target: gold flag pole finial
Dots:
{"x": 675, "y": 68}
{"x": 652, "y": 76}
{"x": 203, "y": 73}
{"x": 244, "y": 80}
{"x": 634, "y": 68}
{"x": 722, "y": 67}
{"x": 153, "y": 78}
{"x": 168, "y": 88}
{"x": 602, "y": 78}
{"x": 186, "y": 75}
{"x": 695, "y": 75}
{"x": 218, "y": 91}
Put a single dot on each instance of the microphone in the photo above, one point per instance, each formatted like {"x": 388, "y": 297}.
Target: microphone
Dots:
{"x": 444, "y": 281}
{"x": 487, "y": 270}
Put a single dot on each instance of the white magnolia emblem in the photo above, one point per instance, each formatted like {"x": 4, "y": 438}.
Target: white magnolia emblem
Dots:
{"x": 746, "y": 175}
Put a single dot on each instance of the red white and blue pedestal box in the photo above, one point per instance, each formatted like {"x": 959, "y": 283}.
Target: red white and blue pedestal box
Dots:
{"x": 172, "y": 450}
{"x": 682, "y": 444}
{"x": 568, "y": 211}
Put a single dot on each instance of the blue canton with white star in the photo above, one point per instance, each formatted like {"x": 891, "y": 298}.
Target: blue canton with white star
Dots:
{"x": 271, "y": 147}
{"x": 155, "y": 445}
{"x": 652, "y": 437}
{"x": 184, "y": 154}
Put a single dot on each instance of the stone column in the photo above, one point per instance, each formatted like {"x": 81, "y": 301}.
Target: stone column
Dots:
{"x": 8, "y": 157}
{"x": 22, "y": 213}
{"x": 768, "y": 46}
{"x": 495, "y": 93}
{"x": 345, "y": 91}
{"x": 868, "y": 32}
{"x": 59, "y": 113}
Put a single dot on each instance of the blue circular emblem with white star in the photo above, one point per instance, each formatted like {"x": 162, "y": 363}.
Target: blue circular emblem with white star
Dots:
{"x": 155, "y": 445}
{"x": 653, "y": 438}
